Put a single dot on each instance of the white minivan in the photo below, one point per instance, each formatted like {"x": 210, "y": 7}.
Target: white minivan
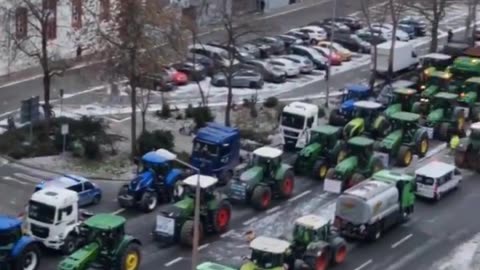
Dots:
{"x": 436, "y": 178}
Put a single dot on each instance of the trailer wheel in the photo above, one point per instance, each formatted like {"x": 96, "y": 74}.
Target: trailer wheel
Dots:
{"x": 69, "y": 245}
{"x": 261, "y": 197}
{"x": 221, "y": 217}
{"x": 131, "y": 257}
{"x": 186, "y": 233}
{"x": 149, "y": 201}
{"x": 405, "y": 156}
{"x": 376, "y": 233}
{"x": 28, "y": 259}
{"x": 287, "y": 184}
{"x": 320, "y": 170}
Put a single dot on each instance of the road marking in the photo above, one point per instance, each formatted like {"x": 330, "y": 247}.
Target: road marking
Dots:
{"x": 434, "y": 151}
{"x": 399, "y": 242}
{"x": 8, "y": 178}
{"x": 227, "y": 234}
{"x": 306, "y": 192}
{"x": 269, "y": 211}
{"x": 364, "y": 264}
{"x": 174, "y": 261}
{"x": 203, "y": 246}
{"x": 250, "y": 221}
{"x": 118, "y": 211}
{"x": 28, "y": 178}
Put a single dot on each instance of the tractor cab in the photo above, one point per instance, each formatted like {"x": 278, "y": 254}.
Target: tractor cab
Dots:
{"x": 406, "y": 121}
{"x": 386, "y": 95}
{"x": 403, "y": 101}
{"x": 367, "y": 118}
{"x": 310, "y": 228}
{"x": 105, "y": 229}
{"x": 445, "y": 117}
{"x": 325, "y": 135}
{"x": 470, "y": 91}
{"x": 361, "y": 147}
{"x": 267, "y": 158}
{"x": 269, "y": 253}
{"x": 352, "y": 93}
{"x": 436, "y": 81}
{"x": 465, "y": 67}
{"x": 433, "y": 61}
{"x": 206, "y": 184}
{"x": 10, "y": 234}
{"x": 156, "y": 164}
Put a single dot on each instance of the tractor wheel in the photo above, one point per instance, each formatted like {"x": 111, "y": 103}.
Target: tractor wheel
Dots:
{"x": 287, "y": 184}
{"x": 261, "y": 197}
{"x": 149, "y": 201}
{"x": 69, "y": 245}
{"x": 475, "y": 114}
{"x": 222, "y": 217}
{"x": 131, "y": 257}
{"x": 404, "y": 156}
{"x": 461, "y": 159}
{"x": 320, "y": 170}
{"x": 330, "y": 173}
{"x": 122, "y": 192}
{"x": 319, "y": 261}
{"x": 375, "y": 233}
{"x": 377, "y": 165}
{"x": 459, "y": 121}
{"x": 422, "y": 145}
{"x": 342, "y": 154}
{"x": 28, "y": 259}
{"x": 186, "y": 233}
{"x": 335, "y": 119}
{"x": 382, "y": 127}
{"x": 339, "y": 250}
{"x": 443, "y": 132}
{"x": 417, "y": 107}
{"x": 356, "y": 179}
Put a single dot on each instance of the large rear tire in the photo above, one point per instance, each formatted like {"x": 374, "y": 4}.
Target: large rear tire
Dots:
{"x": 221, "y": 217}
{"x": 320, "y": 170}
{"x": 339, "y": 250}
{"x": 29, "y": 258}
{"x": 287, "y": 184}
{"x": 123, "y": 191}
{"x": 319, "y": 260}
{"x": 186, "y": 233}
{"x": 461, "y": 159}
{"x": 422, "y": 145}
{"x": 69, "y": 245}
{"x": 444, "y": 132}
{"x": 405, "y": 156}
{"x": 261, "y": 197}
{"x": 131, "y": 257}
{"x": 149, "y": 201}
{"x": 335, "y": 119}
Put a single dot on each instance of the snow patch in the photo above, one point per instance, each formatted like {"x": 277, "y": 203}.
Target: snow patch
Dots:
{"x": 464, "y": 257}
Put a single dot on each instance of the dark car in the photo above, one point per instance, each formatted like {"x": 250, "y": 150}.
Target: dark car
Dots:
{"x": 419, "y": 26}
{"x": 265, "y": 49}
{"x": 195, "y": 72}
{"x": 205, "y": 61}
{"x": 332, "y": 27}
{"x": 241, "y": 53}
{"x": 373, "y": 37}
{"x": 289, "y": 41}
{"x": 268, "y": 71}
{"x": 297, "y": 34}
{"x": 277, "y": 45}
{"x": 353, "y": 23}
{"x": 251, "y": 49}
{"x": 352, "y": 42}
{"x": 160, "y": 81}
{"x": 318, "y": 59}
{"x": 243, "y": 78}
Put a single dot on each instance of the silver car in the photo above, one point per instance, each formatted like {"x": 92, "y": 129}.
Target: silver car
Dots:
{"x": 306, "y": 65}
{"x": 240, "y": 79}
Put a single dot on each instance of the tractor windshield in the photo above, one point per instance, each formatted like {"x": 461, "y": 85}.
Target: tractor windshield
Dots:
{"x": 363, "y": 113}
{"x": 41, "y": 212}
{"x": 266, "y": 260}
{"x": 438, "y": 81}
{"x": 204, "y": 149}
{"x": 9, "y": 237}
{"x": 302, "y": 234}
{"x": 355, "y": 95}
{"x": 158, "y": 168}
{"x": 471, "y": 87}
{"x": 293, "y": 120}
{"x": 320, "y": 138}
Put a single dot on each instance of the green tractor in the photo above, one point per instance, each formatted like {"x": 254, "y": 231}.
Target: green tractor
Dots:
{"x": 359, "y": 164}
{"x": 324, "y": 150}
{"x": 445, "y": 117}
{"x": 315, "y": 246}
{"x": 368, "y": 118}
{"x": 406, "y": 139}
{"x": 176, "y": 223}
{"x": 106, "y": 246}
{"x": 404, "y": 100}
{"x": 467, "y": 154}
{"x": 436, "y": 81}
{"x": 469, "y": 98}
{"x": 264, "y": 178}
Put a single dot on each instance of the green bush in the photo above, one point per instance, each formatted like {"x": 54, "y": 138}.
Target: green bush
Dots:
{"x": 157, "y": 139}
{"x": 271, "y": 102}
{"x": 201, "y": 116}
{"x": 91, "y": 149}
{"x": 166, "y": 112}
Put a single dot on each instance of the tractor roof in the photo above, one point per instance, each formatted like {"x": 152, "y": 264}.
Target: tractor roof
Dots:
{"x": 312, "y": 221}
{"x": 205, "y": 180}
{"x": 361, "y": 141}
{"x": 216, "y": 134}
{"x": 391, "y": 176}
{"x": 268, "y": 152}
{"x": 405, "y": 91}
{"x": 212, "y": 266}
{"x": 7, "y": 223}
{"x": 446, "y": 95}
{"x": 357, "y": 87}
{"x": 435, "y": 169}
{"x": 367, "y": 104}
{"x": 105, "y": 221}
{"x": 442, "y": 74}
{"x": 473, "y": 80}
{"x": 403, "y": 84}
{"x": 326, "y": 129}
{"x": 475, "y": 126}
{"x": 270, "y": 245}
{"x": 437, "y": 56}
{"x": 155, "y": 157}
{"x": 406, "y": 116}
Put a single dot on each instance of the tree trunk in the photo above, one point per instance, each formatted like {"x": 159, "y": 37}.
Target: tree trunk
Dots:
{"x": 144, "y": 123}
{"x": 133, "y": 104}
{"x": 373, "y": 75}
{"x": 434, "y": 42}
{"x": 46, "y": 93}
{"x": 228, "y": 109}
{"x": 391, "y": 57}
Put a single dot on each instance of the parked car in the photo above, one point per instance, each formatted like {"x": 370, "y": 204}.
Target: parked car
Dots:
{"x": 317, "y": 58}
{"x": 409, "y": 29}
{"x": 195, "y": 71}
{"x": 301, "y": 35}
{"x": 205, "y": 61}
{"x": 88, "y": 192}
{"x": 219, "y": 55}
{"x": 239, "y": 52}
{"x": 251, "y": 49}
{"x": 315, "y": 33}
{"x": 373, "y": 37}
{"x": 291, "y": 68}
{"x": 269, "y": 72}
{"x": 418, "y": 24}
{"x": 387, "y": 30}
{"x": 265, "y": 49}
{"x": 353, "y": 43}
{"x": 335, "y": 59}
{"x": 335, "y": 28}
{"x": 306, "y": 65}
{"x": 242, "y": 78}
{"x": 278, "y": 46}
{"x": 159, "y": 81}
{"x": 177, "y": 77}
{"x": 289, "y": 41}
{"x": 353, "y": 23}
{"x": 344, "y": 53}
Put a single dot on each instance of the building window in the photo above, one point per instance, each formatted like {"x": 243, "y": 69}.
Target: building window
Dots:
{"x": 50, "y": 12}
{"x": 21, "y": 24}
{"x": 105, "y": 10}
{"x": 77, "y": 14}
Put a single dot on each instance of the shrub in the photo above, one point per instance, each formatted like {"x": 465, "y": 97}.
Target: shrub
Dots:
{"x": 189, "y": 111}
{"x": 157, "y": 139}
{"x": 165, "y": 112}
{"x": 271, "y": 102}
{"x": 91, "y": 148}
{"x": 201, "y": 116}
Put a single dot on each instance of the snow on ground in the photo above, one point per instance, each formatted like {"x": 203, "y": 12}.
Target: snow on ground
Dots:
{"x": 464, "y": 257}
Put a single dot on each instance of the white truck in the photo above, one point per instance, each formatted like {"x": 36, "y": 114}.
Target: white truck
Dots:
{"x": 52, "y": 217}
{"x": 371, "y": 207}
{"x": 296, "y": 121}
{"x": 404, "y": 57}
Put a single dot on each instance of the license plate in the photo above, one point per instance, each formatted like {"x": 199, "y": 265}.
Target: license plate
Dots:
{"x": 332, "y": 186}
{"x": 238, "y": 192}
{"x": 165, "y": 225}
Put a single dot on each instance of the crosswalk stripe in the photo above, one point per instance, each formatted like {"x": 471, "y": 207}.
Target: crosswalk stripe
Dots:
{"x": 12, "y": 179}
{"x": 28, "y": 178}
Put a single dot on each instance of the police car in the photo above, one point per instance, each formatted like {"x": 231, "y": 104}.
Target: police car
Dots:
{"x": 88, "y": 192}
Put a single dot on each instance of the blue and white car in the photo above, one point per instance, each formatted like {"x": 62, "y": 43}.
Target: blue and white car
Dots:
{"x": 88, "y": 192}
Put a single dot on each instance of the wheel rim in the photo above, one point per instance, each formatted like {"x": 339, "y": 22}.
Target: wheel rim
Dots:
{"x": 265, "y": 199}
{"x": 407, "y": 159}
{"x": 341, "y": 254}
{"x": 288, "y": 186}
{"x": 461, "y": 123}
{"x": 341, "y": 156}
{"x": 31, "y": 261}
{"x": 323, "y": 171}
{"x": 223, "y": 216}
{"x": 70, "y": 247}
{"x": 321, "y": 262}
{"x": 132, "y": 261}
{"x": 152, "y": 203}
{"x": 424, "y": 146}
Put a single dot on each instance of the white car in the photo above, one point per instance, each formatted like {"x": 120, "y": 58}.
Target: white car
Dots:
{"x": 387, "y": 29}
{"x": 315, "y": 33}
{"x": 291, "y": 68}
{"x": 306, "y": 65}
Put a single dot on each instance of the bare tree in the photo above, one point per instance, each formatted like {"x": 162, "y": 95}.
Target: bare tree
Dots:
{"x": 35, "y": 27}
{"x": 396, "y": 8}
{"x": 471, "y": 20}
{"x": 130, "y": 42}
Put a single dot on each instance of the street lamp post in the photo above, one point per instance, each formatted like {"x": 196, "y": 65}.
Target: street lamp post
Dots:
{"x": 330, "y": 53}
{"x": 196, "y": 220}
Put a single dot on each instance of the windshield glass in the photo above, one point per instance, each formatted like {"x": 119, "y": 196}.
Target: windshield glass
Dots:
{"x": 10, "y": 236}
{"x": 439, "y": 81}
{"x": 319, "y": 137}
{"x": 425, "y": 180}
{"x": 205, "y": 149}
{"x": 266, "y": 260}
{"x": 293, "y": 120}
{"x": 356, "y": 95}
{"x": 302, "y": 234}
{"x": 41, "y": 212}
{"x": 356, "y": 38}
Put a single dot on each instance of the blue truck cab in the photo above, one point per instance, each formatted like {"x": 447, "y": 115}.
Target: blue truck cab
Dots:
{"x": 353, "y": 93}
{"x": 155, "y": 181}
{"x": 17, "y": 251}
{"x": 216, "y": 151}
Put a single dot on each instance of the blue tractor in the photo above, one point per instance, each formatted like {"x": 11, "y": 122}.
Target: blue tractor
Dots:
{"x": 17, "y": 251}
{"x": 353, "y": 93}
{"x": 216, "y": 151}
{"x": 155, "y": 181}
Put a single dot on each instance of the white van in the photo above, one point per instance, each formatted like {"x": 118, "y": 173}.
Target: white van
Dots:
{"x": 437, "y": 178}
{"x": 404, "y": 57}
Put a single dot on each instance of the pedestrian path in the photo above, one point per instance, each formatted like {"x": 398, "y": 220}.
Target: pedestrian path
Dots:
{"x": 26, "y": 178}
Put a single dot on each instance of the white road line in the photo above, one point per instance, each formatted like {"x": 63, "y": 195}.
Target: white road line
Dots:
{"x": 203, "y": 246}
{"x": 271, "y": 210}
{"x": 118, "y": 211}
{"x": 250, "y": 221}
{"x": 8, "y": 178}
{"x": 174, "y": 261}
{"x": 299, "y": 196}
{"x": 365, "y": 264}
{"x": 227, "y": 233}
{"x": 399, "y": 242}
{"x": 27, "y": 177}
{"x": 434, "y": 151}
